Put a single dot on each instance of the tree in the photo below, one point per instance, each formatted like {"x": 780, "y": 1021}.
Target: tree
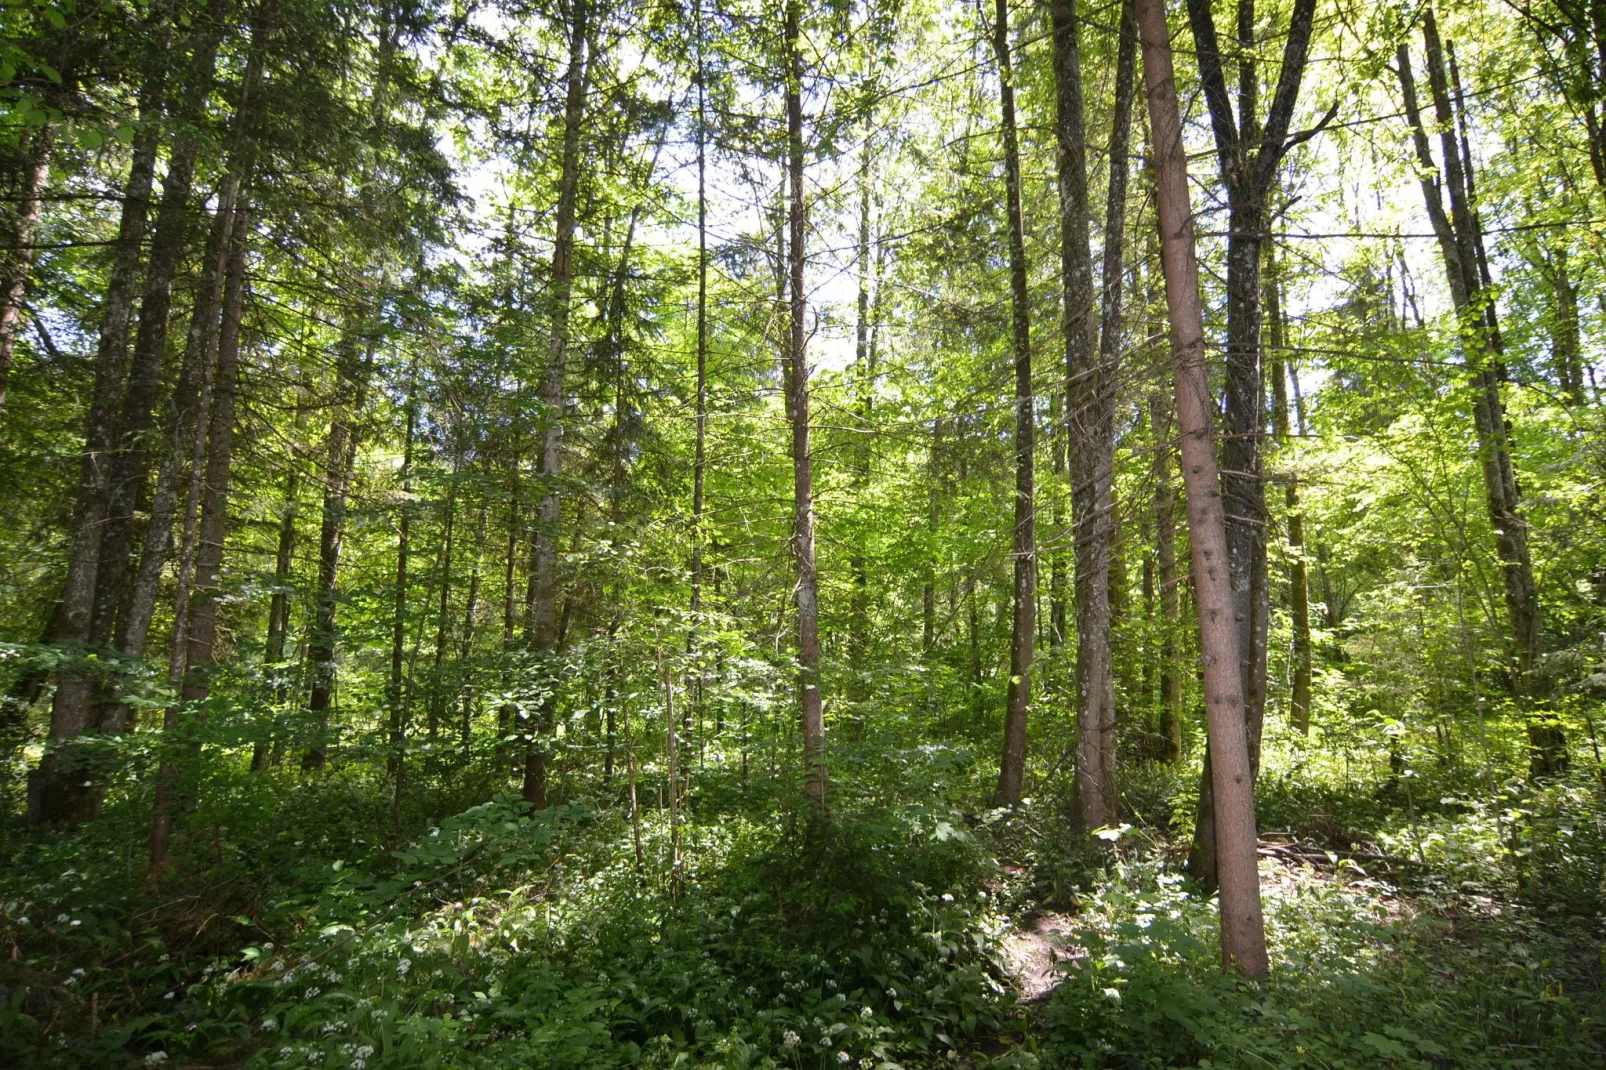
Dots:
{"x": 1243, "y": 937}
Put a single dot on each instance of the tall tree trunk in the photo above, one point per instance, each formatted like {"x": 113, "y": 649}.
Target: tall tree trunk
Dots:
{"x": 186, "y": 419}
{"x": 1249, "y": 154}
{"x": 1298, "y": 580}
{"x": 61, "y": 788}
{"x": 1243, "y": 937}
{"x": 340, "y": 459}
{"x": 810, "y": 702}
{"x": 19, "y": 260}
{"x": 439, "y": 696}
{"x": 471, "y": 620}
{"x": 700, "y": 448}
{"x": 126, "y": 487}
{"x": 928, "y": 608}
{"x": 394, "y": 693}
{"x": 201, "y": 656}
{"x": 1458, "y": 243}
{"x": 264, "y": 750}
{"x": 543, "y": 638}
{"x": 1012, "y": 767}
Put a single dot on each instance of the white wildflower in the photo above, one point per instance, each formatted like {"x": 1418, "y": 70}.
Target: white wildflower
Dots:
{"x": 156, "y": 1058}
{"x": 403, "y": 966}
{"x": 790, "y": 1039}
{"x": 313, "y": 991}
{"x": 843, "y": 1057}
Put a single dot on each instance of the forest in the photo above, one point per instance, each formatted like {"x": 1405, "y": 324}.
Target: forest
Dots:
{"x": 802, "y": 534}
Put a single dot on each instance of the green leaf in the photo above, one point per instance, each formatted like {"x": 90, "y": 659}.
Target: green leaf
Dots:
{"x": 90, "y": 139}
{"x": 56, "y": 19}
{"x": 125, "y": 133}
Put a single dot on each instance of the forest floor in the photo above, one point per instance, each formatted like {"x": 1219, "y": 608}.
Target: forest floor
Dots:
{"x": 300, "y": 930}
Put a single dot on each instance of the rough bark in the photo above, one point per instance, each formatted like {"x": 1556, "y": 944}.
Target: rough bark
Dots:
{"x": 1165, "y": 541}
{"x": 810, "y": 701}
{"x": 543, "y": 632}
{"x": 1243, "y": 938}
{"x": 1018, "y": 696}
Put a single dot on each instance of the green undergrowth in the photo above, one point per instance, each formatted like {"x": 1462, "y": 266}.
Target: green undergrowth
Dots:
{"x": 300, "y": 928}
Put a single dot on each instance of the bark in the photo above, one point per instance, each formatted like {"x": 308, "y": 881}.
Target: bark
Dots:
{"x": 1012, "y": 767}
{"x": 928, "y": 608}
{"x": 1298, "y": 578}
{"x": 811, "y": 706}
{"x": 1243, "y": 939}
{"x": 201, "y": 656}
{"x": 543, "y": 632}
{"x": 20, "y": 241}
{"x": 1566, "y": 349}
{"x": 57, "y": 789}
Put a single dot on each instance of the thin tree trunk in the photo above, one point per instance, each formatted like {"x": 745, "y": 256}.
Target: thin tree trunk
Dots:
{"x": 201, "y": 657}
{"x": 398, "y": 621}
{"x": 812, "y": 710}
{"x": 700, "y": 449}
{"x": 543, "y": 637}
{"x": 471, "y": 612}
{"x": 279, "y": 601}
{"x": 19, "y": 260}
{"x": 1012, "y": 767}
{"x": 1298, "y": 580}
{"x": 1458, "y": 242}
{"x": 1170, "y": 597}
{"x": 1243, "y": 938}
{"x": 443, "y": 619}
{"x": 339, "y": 464}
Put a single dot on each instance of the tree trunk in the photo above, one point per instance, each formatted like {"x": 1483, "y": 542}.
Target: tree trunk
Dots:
{"x": 543, "y": 638}
{"x": 265, "y": 749}
{"x": 811, "y": 706}
{"x": 1249, "y": 155}
{"x": 1298, "y": 580}
{"x": 187, "y": 417}
{"x": 394, "y": 697}
{"x": 207, "y": 594}
{"x": 1243, "y": 938}
{"x": 1165, "y": 541}
{"x": 126, "y": 484}
{"x": 61, "y": 788}
{"x": 1458, "y": 243}
{"x": 1012, "y": 767}
{"x": 340, "y": 459}
{"x": 19, "y": 260}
